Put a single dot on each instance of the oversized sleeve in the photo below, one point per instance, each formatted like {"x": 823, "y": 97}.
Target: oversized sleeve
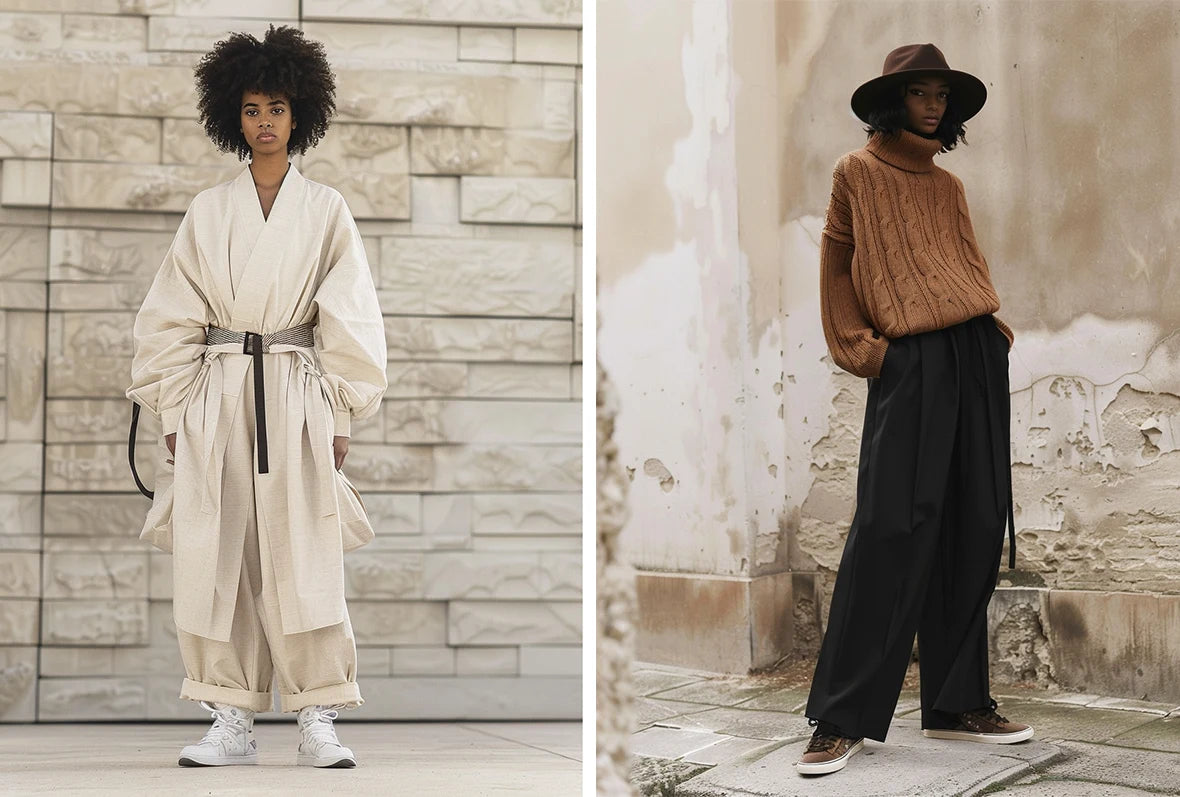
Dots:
{"x": 852, "y": 341}
{"x": 350, "y": 334}
{"x": 169, "y": 331}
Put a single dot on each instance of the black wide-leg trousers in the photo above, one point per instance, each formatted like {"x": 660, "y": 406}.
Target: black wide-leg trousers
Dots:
{"x": 933, "y": 494}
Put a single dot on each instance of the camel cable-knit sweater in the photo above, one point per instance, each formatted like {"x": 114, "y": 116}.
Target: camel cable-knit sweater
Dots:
{"x": 898, "y": 255}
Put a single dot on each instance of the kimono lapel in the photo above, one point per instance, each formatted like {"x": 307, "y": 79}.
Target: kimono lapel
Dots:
{"x": 272, "y": 235}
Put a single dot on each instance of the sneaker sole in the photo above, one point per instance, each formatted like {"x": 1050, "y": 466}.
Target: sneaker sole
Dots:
{"x": 202, "y": 761}
{"x": 325, "y": 763}
{"x": 829, "y": 766}
{"x": 985, "y": 738}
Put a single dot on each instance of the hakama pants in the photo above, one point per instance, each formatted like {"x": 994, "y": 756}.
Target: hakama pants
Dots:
{"x": 315, "y": 667}
{"x": 933, "y": 496}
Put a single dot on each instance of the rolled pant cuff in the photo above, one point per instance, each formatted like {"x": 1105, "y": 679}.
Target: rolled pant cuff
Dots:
{"x": 348, "y": 694}
{"x": 242, "y": 698}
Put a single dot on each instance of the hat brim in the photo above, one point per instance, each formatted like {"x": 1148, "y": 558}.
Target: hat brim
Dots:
{"x": 969, "y": 92}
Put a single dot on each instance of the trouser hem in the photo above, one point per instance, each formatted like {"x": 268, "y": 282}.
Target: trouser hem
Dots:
{"x": 242, "y": 698}
{"x": 348, "y": 694}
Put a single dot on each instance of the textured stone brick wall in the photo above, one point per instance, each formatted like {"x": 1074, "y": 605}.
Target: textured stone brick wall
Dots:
{"x": 457, "y": 148}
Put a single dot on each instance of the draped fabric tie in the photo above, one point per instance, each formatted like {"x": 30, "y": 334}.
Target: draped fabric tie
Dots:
{"x": 258, "y": 345}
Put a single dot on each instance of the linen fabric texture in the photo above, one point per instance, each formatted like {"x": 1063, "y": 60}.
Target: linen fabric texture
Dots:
{"x": 229, "y": 266}
{"x": 898, "y": 254}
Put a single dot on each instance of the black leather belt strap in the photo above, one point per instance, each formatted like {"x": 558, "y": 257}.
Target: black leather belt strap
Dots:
{"x": 131, "y": 452}
{"x": 252, "y": 344}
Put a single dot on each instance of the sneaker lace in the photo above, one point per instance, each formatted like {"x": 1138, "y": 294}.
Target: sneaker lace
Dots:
{"x": 226, "y": 727}
{"x": 821, "y": 742}
{"x": 318, "y": 730}
{"x": 990, "y": 714}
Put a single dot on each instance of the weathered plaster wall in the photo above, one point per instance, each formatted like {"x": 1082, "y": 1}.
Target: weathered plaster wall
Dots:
{"x": 457, "y": 148}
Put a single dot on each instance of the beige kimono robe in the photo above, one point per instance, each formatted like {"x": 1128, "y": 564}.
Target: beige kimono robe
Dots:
{"x": 230, "y": 267}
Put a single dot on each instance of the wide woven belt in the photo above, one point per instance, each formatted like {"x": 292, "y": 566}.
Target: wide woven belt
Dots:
{"x": 258, "y": 345}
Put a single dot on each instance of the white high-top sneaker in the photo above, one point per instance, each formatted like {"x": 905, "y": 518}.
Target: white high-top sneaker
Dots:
{"x": 229, "y": 741}
{"x": 318, "y": 745}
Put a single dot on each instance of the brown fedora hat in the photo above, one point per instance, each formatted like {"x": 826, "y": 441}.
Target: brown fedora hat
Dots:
{"x": 910, "y": 60}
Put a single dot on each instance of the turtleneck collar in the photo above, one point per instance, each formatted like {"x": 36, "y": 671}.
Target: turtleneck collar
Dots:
{"x": 907, "y": 150}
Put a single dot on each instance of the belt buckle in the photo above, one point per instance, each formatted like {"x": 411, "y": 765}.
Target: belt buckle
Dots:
{"x": 252, "y": 343}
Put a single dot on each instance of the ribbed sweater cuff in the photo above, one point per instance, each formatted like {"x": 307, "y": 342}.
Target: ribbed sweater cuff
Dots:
{"x": 876, "y": 356}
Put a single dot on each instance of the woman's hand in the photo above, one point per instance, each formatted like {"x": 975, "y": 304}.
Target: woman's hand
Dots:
{"x": 170, "y": 441}
{"x": 340, "y": 449}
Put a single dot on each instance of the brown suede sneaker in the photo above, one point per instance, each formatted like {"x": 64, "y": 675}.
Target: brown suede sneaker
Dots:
{"x": 827, "y": 752}
{"x": 983, "y": 725}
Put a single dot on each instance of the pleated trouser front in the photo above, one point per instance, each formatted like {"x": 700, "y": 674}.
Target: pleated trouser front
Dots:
{"x": 932, "y": 501}
{"x": 312, "y": 668}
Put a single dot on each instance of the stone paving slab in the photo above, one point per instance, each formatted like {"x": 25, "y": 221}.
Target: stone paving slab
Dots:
{"x": 1162, "y": 734}
{"x": 1140, "y": 769}
{"x": 730, "y": 749}
{"x": 749, "y": 723}
{"x": 788, "y": 699}
{"x": 909, "y": 764}
{"x": 1057, "y": 788}
{"x": 715, "y": 692}
{"x": 1122, "y": 703}
{"x": 1058, "y": 721}
{"x": 649, "y": 711}
{"x": 659, "y": 742}
{"x": 650, "y": 681}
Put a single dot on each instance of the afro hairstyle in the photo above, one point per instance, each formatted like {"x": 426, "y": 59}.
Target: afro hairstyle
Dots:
{"x": 283, "y": 63}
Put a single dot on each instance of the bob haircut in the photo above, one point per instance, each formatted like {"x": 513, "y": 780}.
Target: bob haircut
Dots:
{"x": 890, "y": 118}
{"x": 283, "y": 63}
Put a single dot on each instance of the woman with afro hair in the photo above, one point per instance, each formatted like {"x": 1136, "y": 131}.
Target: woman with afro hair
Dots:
{"x": 258, "y": 342}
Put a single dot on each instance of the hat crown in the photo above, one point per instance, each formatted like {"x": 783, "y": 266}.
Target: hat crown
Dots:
{"x": 911, "y": 57}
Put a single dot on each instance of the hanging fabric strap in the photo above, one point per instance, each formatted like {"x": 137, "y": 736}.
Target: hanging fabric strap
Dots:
{"x": 131, "y": 452}
{"x": 257, "y": 345}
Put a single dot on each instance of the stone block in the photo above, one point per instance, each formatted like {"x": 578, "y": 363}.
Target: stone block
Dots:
{"x": 369, "y": 165}
{"x": 383, "y": 575}
{"x": 485, "y": 44}
{"x": 20, "y": 465}
{"x": 504, "y": 12}
{"x": 83, "y": 515}
{"x": 18, "y": 684}
{"x": 409, "y": 421}
{"x": 20, "y": 515}
{"x": 92, "y": 421}
{"x": 1119, "y": 644}
{"x": 186, "y": 144}
{"x": 425, "y": 379}
{"x": 444, "y": 276}
{"x": 155, "y": 91}
{"x": 471, "y": 698}
{"x": 771, "y": 617}
{"x": 92, "y": 137}
{"x": 398, "y": 623}
{"x": 159, "y": 577}
{"x": 30, "y": 31}
{"x": 423, "y": 661}
{"x": 109, "y": 622}
{"x": 576, "y": 381}
{"x": 25, "y": 134}
{"x": 492, "y": 152}
{"x": 386, "y": 43}
{"x": 577, "y": 353}
{"x": 514, "y": 575}
{"x": 550, "y": 660}
{"x": 435, "y": 200}
{"x": 372, "y": 661}
{"x": 97, "y": 296}
{"x": 22, "y": 295}
{"x": 446, "y": 520}
{"x": 507, "y": 623}
{"x": 23, "y": 253}
{"x": 507, "y": 467}
{"x": 104, "y": 33}
{"x": 18, "y": 622}
{"x": 1018, "y": 636}
{"x": 73, "y": 699}
{"x": 46, "y": 86}
{"x": 108, "y": 186}
{"x": 74, "y": 662}
{"x": 517, "y": 380}
{"x": 24, "y": 342}
{"x": 18, "y": 574}
{"x": 25, "y": 183}
{"x": 566, "y": 544}
{"x": 164, "y": 701}
{"x": 277, "y": 10}
{"x": 517, "y": 200}
{"x": 372, "y": 467}
{"x": 560, "y": 106}
{"x": 531, "y": 514}
{"x": 199, "y": 34}
{"x": 486, "y": 661}
{"x": 83, "y": 467}
{"x": 547, "y": 45}
{"x": 161, "y": 656}
{"x": 96, "y": 575}
{"x": 436, "y": 98}
{"x": 393, "y": 514}
{"x": 478, "y": 339}
{"x": 133, "y": 256}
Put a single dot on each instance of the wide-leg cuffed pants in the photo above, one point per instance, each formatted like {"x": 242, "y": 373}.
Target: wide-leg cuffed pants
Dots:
{"x": 933, "y": 496}
{"x": 313, "y": 668}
